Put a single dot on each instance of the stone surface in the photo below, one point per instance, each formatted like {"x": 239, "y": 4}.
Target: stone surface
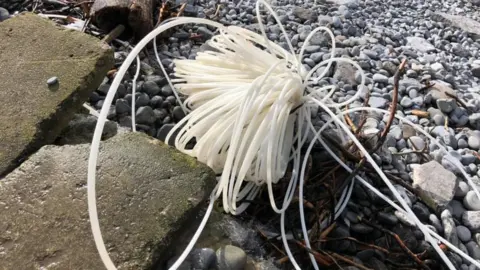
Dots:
{"x": 28, "y": 59}
{"x": 420, "y": 44}
{"x": 146, "y": 192}
{"x": 434, "y": 184}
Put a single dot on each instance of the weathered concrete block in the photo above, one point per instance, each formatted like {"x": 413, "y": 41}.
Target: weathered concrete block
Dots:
{"x": 434, "y": 184}
{"x": 146, "y": 192}
{"x": 32, "y": 114}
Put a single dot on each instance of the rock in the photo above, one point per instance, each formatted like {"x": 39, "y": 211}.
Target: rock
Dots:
{"x": 415, "y": 142}
{"x": 436, "y": 222}
{"x": 476, "y": 71}
{"x": 304, "y": 14}
{"x": 474, "y": 142}
{"x": 471, "y": 219}
{"x": 421, "y": 211}
{"x": 377, "y": 102}
{"x": 122, "y": 106}
{"x": 178, "y": 113}
{"x": 4, "y": 14}
{"x": 420, "y": 44}
{"x": 151, "y": 88}
{"x": 471, "y": 201}
{"x": 361, "y": 228}
{"x": 40, "y": 112}
{"x": 147, "y": 194}
{"x": 231, "y": 257}
{"x": 379, "y": 78}
{"x": 440, "y": 90}
{"x": 387, "y": 218}
{"x": 345, "y": 72}
{"x": 81, "y": 128}
{"x": 434, "y": 184}
{"x": 449, "y": 228}
{"x": 462, "y": 189}
{"x": 457, "y": 209}
{"x": 473, "y": 250}
{"x": 145, "y": 115}
{"x": 446, "y": 105}
{"x": 464, "y": 233}
{"x": 406, "y": 102}
{"x": 466, "y": 24}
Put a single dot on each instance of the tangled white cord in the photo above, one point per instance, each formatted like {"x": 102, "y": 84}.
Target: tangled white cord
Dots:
{"x": 249, "y": 104}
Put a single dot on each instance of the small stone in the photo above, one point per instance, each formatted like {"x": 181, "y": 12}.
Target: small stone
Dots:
{"x": 464, "y": 233}
{"x": 167, "y": 91}
{"x": 435, "y": 185}
{"x": 471, "y": 201}
{"x": 361, "y": 228}
{"x": 379, "y": 78}
{"x": 145, "y": 115}
{"x": 4, "y": 14}
{"x": 178, "y": 113}
{"x": 471, "y": 219}
{"x": 406, "y": 102}
{"x": 446, "y": 105}
{"x": 415, "y": 142}
{"x": 365, "y": 255}
{"x": 474, "y": 142}
{"x": 377, "y": 102}
{"x": 449, "y": 228}
{"x": 122, "y": 106}
{"x": 387, "y": 218}
{"x": 151, "y": 88}
{"x": 462, "y": 189}
{"x": 420, "y": 44}
{"x": 436, "y": 222}
{"x": 52, "y": 81}
{"x": 473, "y": 250}
{"x": 231, "y": 257}
{"x": 421, "y": 211}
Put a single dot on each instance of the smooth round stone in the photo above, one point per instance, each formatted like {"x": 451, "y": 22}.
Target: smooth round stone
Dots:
{"x": 365, "y": 255}
{"x": 406, "y": 102}
{"x": 231, "y": 257}
{"x": 446, "y": 105}
{"x": 156, "y": 101}
{"x": 473, "y": 250}
{"x": 464, "y": 233}
{"x": 151, "y": 88}
{"x": 421, "y": 211}
{"x": 436, "y": 222}
{"x": 122, "y": 106}
{"x": 462, "y": 189}
{"x": 178, "y": 113}
{"x": 361, "y": 228}
{"x": 379, "y": 78}
{"x": 415, "y": 142}
{"x": 202, "y": 258}
{"x": 4, "y": 14}
{"x": 142, "y": 99}
{"x": 462, "y": 143}
{"x": 471, "y": 201}
{"x": 413, "y": 93}
{"x": 52, "y": 81}
{"x": 166, "y": 91}
{"x": 474, "y": 142}
{"x": 145, "y": 115}
{"x": 387, "y": 218}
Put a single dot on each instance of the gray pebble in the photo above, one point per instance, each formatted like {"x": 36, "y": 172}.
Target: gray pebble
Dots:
{"x": 473, "y": 250}
{"x": 151, "y": 88}
{"x": 471, "y": 201}
{"x": 446, "y": 105}
{"x": 379, "y": 78}
{"x": 462, "y": 189}
{"x": 231, "y": 257}
{"x": 52, "y": 81}
{"x": 4, "y": 14}
{"x": 464, "y": 233}
{"x": 122, "y": 106}
{"x": 178, "y": 113}
{"x": 474, "y": 142}
{"x": 406, "y": 102}
{"x": 145, "y": 115}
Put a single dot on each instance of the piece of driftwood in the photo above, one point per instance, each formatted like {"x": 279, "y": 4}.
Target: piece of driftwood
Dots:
{"x": 136, "y": 14}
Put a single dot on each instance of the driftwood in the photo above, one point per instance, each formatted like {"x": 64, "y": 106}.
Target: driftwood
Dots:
{"x": 135, "y": 14}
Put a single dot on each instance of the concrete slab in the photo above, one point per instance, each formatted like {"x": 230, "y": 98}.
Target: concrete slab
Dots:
{"x": 32, "y": 113}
